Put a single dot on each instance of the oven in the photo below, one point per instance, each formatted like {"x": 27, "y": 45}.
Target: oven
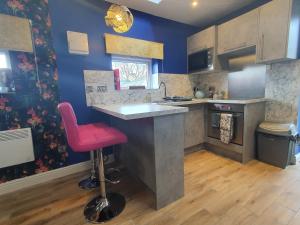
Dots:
{"x": 213, "y": 121}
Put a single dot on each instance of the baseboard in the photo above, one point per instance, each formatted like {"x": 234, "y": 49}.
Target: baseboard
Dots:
{"x": 237, "y": 156}
{"x": 193, "y": 149}
{"x": 40, "y": 178}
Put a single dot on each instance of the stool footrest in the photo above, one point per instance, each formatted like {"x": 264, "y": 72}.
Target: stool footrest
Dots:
{"x": 89, "y": 183}
{"x": 113, "y": 176}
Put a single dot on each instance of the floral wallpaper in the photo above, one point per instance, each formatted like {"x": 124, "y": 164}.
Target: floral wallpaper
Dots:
{"x": 36, "y": 97}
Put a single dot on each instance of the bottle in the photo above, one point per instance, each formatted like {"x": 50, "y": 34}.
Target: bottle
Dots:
{"x": 211, "y": 92}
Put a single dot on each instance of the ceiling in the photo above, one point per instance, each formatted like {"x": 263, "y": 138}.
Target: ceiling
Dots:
{"x": 203, "y": 14}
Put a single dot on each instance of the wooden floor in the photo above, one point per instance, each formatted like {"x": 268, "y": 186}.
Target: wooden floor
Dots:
{"x": 218, "y": 191}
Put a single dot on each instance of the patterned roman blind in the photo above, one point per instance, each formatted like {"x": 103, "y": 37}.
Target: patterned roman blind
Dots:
{"x": 120, "y": 45}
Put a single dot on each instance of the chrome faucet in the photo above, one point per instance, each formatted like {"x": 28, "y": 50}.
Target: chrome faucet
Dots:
{"x": 163, "y": 83}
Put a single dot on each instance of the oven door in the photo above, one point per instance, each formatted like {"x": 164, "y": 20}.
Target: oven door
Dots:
{"x": 213, "y": 126}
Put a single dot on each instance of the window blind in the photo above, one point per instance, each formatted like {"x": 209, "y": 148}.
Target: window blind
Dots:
{"x": 120, "y": 45}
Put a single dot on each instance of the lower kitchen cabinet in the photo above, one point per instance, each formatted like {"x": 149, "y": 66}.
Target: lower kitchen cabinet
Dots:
{"x": 253, "y": 114}
{"x": 194, "y": 126}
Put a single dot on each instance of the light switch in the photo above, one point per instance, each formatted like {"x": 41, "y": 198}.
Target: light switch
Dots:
{"x": 78, "y": 43}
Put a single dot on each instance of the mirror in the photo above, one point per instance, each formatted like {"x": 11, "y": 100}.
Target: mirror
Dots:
{"x": 18, "y": 71}
{"x": 15, "y": 33}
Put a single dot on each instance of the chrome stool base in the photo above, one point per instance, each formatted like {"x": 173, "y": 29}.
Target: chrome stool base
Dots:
{"x": 100, "y": 210}
{"x": 89, "y": 183}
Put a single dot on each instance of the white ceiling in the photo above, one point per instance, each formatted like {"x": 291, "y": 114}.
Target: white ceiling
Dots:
{"x": 206, "y": 12}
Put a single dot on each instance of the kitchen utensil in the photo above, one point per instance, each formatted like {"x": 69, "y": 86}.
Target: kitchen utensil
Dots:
{"x": 198, "y": 93}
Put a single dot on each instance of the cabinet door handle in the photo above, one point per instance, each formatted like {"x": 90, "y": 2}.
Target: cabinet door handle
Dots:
{"x": 237, "y": 115}
{"x": 262, "y": 46}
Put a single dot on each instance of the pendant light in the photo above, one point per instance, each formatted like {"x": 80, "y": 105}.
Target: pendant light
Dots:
{"x": 119, "y": 18}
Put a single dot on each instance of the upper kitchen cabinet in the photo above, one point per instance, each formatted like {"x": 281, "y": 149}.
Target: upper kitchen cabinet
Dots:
{"x": 203, "y": 40}
{"x": 279, "y": 24}
{"x": 238, "y": 33}
{"x": 202, "y": 52}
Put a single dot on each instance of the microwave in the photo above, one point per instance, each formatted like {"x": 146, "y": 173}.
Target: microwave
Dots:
{"x": 200, "y": 61}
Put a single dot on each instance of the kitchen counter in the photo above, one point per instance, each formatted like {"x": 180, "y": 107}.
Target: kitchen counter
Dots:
{"x": 138, "y": 111}
{"x": 197, "y": 125}
{"x": 241, "y": 102}
{"x": 155, "y": 149}
{"x": 217, "y": 101}
{"x": 159, "y": 132}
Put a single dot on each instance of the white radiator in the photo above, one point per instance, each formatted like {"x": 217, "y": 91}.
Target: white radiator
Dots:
{"x": 16, "y": 147}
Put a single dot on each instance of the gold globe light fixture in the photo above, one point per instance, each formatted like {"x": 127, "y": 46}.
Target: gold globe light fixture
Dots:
{"x": 119, "y": 18}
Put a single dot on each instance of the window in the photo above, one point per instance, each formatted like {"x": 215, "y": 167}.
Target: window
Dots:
{"x": 4, "y": 60}
{"x": 133, "y": 71}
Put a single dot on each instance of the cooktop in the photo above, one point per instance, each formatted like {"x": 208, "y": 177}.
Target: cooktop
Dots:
{"x": 178, "y": 98}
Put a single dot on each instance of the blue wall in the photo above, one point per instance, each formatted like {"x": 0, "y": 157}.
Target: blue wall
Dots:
{"x": 88, "y": 16}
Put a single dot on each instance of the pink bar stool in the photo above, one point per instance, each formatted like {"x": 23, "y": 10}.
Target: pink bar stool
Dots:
{"x": 90, "y": 138}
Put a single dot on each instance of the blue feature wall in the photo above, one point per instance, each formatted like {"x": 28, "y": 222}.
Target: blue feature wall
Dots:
{"x": 87, "y": 16}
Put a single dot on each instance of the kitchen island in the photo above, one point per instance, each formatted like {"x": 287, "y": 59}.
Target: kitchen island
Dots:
{"x": 155, "y": 149}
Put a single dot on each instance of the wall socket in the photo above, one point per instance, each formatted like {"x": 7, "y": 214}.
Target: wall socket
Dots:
{"x": 102, "y": 88}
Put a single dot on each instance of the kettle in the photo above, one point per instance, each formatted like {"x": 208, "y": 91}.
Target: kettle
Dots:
{"x": 198, "y": 93}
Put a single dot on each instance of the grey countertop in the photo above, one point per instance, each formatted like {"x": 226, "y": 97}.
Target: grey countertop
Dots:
{"x": 138, "y": 111}
{"x": 144, "y": 110}
{"x": 208, "y": 100}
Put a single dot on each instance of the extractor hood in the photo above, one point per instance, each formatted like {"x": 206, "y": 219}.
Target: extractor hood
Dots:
{"x": 239, "y": 63}
{"x": 238, "y": 60}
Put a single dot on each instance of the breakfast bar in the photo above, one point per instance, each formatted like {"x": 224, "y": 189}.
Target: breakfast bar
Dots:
{"x": 155, "y": 150}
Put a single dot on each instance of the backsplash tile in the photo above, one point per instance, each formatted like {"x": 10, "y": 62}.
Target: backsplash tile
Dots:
{"x": 217, "y": 80}
{"x": 124, "y": 97}
{"x": 98, "y": 81}
{"x": 283, "y": 88}
{"x": 177, "y": 84}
